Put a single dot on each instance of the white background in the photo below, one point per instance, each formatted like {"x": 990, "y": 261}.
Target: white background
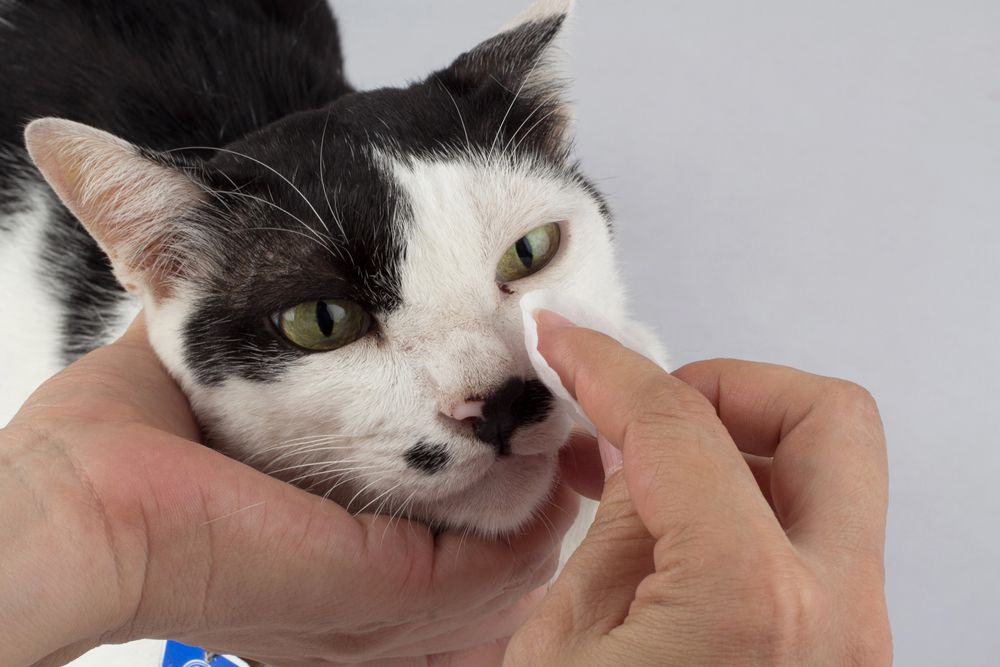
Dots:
{"x": 811, "y": 183}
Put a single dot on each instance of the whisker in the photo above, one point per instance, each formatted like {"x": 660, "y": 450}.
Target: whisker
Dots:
{"x": 533, "y": 128}
{"x": 514, "y": 101}
{"x": 365, "y": 488}
{"x": 326, "y": 195}
{"x": 461, "y": 541}
{"x": 263, "y": 164}
{"x": 320, "y": 464}
{"x": 318, "y": 436}
{"x": 465, "y": 130}
{"x": 291, "y": 215}
{"x": 308, "y": 449}
{"x": 345, "y": 474}
{"x": 372, "y": 501}
{"x": 292, "y": 231}
{"x": 235, "y": 512}
{"x": 513, "y": 137}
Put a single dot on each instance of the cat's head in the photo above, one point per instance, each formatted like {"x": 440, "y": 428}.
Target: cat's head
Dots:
{"x": 338, "y": 292}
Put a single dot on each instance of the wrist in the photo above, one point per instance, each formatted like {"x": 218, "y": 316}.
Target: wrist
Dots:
{"x": 66, "y": 584}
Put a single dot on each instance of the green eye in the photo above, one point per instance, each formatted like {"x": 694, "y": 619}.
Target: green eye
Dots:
{"x": 530, "y": 254}
{"x": 323, "y": 325}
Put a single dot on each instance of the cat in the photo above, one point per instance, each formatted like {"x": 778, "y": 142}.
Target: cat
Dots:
{"x": 331, "y": 275}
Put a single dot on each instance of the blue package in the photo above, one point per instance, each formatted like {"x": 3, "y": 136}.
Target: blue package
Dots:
{"x": 179, "y": 655}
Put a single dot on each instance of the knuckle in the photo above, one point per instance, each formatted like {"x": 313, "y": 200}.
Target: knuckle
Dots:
{"x": 677, "y": 398}
{"x": 855, "y": 398}
{"x": 789, "y": 607}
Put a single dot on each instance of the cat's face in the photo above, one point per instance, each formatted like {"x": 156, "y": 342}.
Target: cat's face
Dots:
{"x": 393, "y": 420}
{"x": 338, "y": 293}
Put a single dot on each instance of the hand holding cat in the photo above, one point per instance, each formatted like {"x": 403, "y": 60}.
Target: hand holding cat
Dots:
{"x": 746, "y": 526}
{"x": 117, "y": 525}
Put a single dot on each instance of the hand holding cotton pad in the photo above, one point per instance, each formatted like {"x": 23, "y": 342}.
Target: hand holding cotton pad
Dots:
{"x": 630, "y": 334}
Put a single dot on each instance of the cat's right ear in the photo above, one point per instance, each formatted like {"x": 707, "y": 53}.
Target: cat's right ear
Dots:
{"x": 522, "y": 57}
{"x": 134, "y": 206}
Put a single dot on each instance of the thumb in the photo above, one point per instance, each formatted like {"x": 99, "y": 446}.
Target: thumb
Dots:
{"x": 597, "y": 586}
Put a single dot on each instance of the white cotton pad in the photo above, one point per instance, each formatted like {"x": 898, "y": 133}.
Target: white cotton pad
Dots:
{"x": 630, "y": 334}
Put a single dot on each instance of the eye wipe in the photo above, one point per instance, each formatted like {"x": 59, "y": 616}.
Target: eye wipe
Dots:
{"x": 629, "y": 334}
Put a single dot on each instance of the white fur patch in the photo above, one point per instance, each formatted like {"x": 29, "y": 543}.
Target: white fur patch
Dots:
{"x": 542, "y": 10}
{"x": 630, "y": 334}
{"x": 32, "y": 349}
{"x": 30, "y": 353}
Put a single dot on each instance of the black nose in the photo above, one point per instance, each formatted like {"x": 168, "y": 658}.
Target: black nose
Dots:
{"x": 517, "y": 403}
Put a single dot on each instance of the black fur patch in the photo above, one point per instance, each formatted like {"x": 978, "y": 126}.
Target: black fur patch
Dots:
{"x": 428, "y": 458}
{"x": 517, "y": 403}
{"x": 161, "y": 75}
{"x": 249, "y": 98}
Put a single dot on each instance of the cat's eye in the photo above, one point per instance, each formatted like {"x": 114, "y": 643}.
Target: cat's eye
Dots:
{"x": 323, "y": 325}
{"x": 530, "y": 254}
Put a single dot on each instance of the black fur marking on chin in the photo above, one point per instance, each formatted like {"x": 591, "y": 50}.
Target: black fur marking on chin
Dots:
{"x": 428, "y": 458}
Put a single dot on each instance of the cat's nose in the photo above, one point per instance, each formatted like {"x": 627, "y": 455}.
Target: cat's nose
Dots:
{"x": 516, "y": 403}
{"x": 504, "y": 411}
{"x": 466, "y": 410}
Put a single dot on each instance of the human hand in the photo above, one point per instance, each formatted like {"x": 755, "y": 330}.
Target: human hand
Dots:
{"x": 701, "y": 555}
{"x": 117, "y": 524}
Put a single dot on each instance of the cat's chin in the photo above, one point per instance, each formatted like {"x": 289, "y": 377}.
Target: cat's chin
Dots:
{"x": 502, "y": 501}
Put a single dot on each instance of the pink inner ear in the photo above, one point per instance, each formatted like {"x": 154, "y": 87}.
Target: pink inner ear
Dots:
{"x": 128, "y": 203}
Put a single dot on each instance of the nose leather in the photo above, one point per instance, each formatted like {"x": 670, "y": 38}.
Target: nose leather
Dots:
{"x": 499, "y": 416}
{"x": 466, "y": 410}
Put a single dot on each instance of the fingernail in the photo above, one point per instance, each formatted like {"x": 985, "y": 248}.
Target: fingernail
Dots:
{"x": 611, "y": 456}
{"x": 549, "y": 321}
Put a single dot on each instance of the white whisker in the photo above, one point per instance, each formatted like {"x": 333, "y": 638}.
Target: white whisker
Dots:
{"x": 514, "y": 101}
{"x": 465, "y": 130}
{"x": 263, "y": 164}
{"x": 326, "y": 195}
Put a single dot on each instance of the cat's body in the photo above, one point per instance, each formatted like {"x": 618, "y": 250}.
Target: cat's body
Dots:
{"x": 161, "y": 75}
{"x": 271, "y": 208}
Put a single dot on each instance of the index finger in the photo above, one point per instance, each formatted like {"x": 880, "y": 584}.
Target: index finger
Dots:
{"x": 682, "y": 468}
{"x": 829, "y": 475}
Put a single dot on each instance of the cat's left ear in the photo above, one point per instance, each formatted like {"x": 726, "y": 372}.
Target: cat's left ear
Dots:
{"x": 137, "y": 206}
{"x": 524, "y": 58}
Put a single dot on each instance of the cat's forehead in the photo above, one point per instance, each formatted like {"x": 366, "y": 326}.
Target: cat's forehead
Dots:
{"x": 416, "y": 240}
{"x": 335, "y": 190}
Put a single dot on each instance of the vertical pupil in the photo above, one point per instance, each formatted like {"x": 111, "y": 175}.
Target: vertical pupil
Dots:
{"x": 324, "y": 319}
{"x": 523, "y": 248}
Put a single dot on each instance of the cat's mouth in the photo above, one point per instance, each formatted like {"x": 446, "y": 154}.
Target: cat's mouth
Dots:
{"x": 502, "y": 499}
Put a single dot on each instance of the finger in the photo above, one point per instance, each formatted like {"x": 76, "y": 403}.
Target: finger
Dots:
{"x": 490, "y": 628}
{"x": 463, "y": 572}
{"x": 597, "y": 586}
{"x": 829, "y": 472}
{"x": 580, "y": 463}
{"x": 681, "y": 465}
{"x": 760, "y": 466}
{"x": 487, "y": 655}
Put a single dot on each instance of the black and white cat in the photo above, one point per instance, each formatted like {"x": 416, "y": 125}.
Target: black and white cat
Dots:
{"x": 332, "y": 276}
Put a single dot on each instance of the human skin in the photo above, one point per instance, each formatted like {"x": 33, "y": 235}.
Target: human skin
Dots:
{"x": 746, "y": 527}
{"x": 117, "y": 524}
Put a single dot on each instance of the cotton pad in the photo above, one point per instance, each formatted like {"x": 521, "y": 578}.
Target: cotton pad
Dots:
{"x": 630, "y": 334}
